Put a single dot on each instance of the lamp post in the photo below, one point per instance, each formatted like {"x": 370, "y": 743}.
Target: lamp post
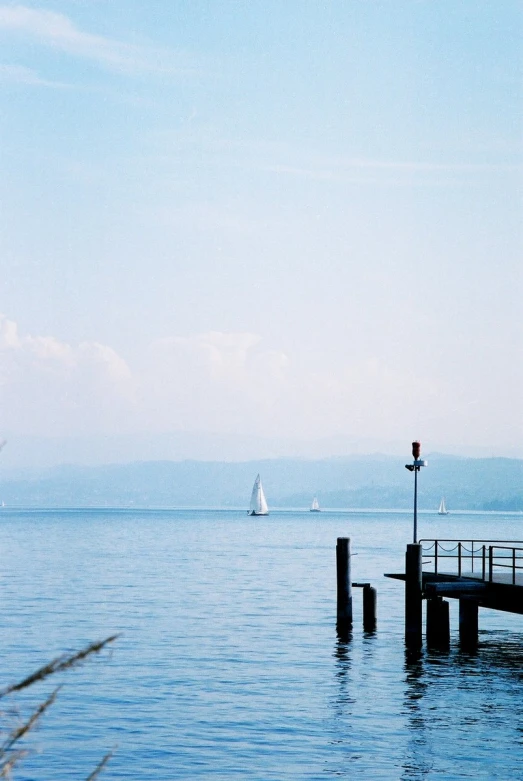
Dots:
{"x": 415, "y": 467}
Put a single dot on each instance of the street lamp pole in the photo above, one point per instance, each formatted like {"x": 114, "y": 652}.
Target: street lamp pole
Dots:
{"x": 415, "y": 467}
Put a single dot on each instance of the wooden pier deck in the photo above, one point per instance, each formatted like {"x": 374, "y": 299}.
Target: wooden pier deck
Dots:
{"x": 490, "y": 571}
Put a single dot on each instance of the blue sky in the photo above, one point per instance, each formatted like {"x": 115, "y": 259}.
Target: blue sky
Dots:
{"x": 290, "y": 220}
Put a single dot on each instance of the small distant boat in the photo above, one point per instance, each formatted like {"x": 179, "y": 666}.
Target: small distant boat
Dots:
{"x": 315, "y": 506}
{"x": 258, "y": 504}
{"x": 442, "y": 510}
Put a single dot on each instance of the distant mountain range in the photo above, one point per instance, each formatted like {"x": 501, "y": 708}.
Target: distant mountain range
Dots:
{"x": 374, "y": 481}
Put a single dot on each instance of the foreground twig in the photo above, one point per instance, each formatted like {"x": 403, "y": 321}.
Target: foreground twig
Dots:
{"x": 100, "y": 766}
{"x": 29, "y": 724}
{"x": 63, "y": 662}
{"x": 8, "y": 764}
{"x": 9, "y": 757}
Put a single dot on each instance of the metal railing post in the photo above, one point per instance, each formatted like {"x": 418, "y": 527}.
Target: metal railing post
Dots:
{"x": 435, "y": 557}
{"x": 490, "y": 562}
{"x": 513, "y": 566}
{"x": 459, "y": 559}
{"x": 483, "y": 564}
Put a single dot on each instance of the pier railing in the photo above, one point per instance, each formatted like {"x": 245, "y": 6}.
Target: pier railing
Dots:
{"x": 488, "y": 560}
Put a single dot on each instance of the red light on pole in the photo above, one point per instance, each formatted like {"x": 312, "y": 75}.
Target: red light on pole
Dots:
{"x": 415, "y": 467}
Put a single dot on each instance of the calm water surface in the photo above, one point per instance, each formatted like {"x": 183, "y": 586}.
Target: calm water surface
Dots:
{"x": 229, "y": 666}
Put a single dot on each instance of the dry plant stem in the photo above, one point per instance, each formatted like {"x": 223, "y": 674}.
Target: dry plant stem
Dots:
{"x": 29, "y": 724}
{"x": 9, "y": 758}
{"x": 9, "y": 764}
{"x": 98, "y": 769}
{"x": 64, "y": 662}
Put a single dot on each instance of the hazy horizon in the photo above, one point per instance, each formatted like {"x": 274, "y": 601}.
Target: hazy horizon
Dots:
{"x": 44, "y": 452}
{"x": 260, "y": 228}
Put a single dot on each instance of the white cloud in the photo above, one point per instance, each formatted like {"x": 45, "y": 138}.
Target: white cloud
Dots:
{"x": 59, "y": 32}
{"x": 8, "y": 334}
{"x": 48, "y": 386}
{"x": 233, "y": 383}
{"x": 215, "y": 381}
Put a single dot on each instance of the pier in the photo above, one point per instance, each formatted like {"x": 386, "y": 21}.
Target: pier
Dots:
{"x": 478, "y": 573}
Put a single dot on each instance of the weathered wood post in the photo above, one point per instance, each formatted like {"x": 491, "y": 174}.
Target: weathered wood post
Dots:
{"x": 343, "y": 572}
{"x": 413, "y": 597}
{"x": 369, "y": 608}
{"x": 468, "y": 623}
{"x": 438, "y": 624}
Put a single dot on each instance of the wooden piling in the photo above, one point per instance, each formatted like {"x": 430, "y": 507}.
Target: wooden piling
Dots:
{"x": 369, "y": 608}
{"x": 343, "y": 572}
{"x": 444, "y": 625}
{"x": 438, "y": 623}
{"x": 468, "y": 622}
{"x": 413, "y": 597}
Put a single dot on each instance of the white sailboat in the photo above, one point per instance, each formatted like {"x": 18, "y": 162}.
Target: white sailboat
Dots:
{"x": 442, "y": 507}
{"x": 315, "y": 506}
{"x": 258, "y": 504}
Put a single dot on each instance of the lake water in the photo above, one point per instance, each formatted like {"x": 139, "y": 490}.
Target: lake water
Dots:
{"x": 229, "y": 665}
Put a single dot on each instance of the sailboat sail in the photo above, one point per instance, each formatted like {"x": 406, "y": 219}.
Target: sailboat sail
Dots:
{"x": 442, "y": 507}
{"x": 315, "y": 506}
{"x": 258, "y": 504}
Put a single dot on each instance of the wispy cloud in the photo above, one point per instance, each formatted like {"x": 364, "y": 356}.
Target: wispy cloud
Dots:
{"x": 18, "y": 74}
{"x": 355, "y": 169}
{"x": 439, "y": 167}
{"x": 58, "y": 31}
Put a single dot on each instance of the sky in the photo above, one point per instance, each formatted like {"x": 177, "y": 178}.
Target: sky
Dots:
{"x": 295, "y": 223}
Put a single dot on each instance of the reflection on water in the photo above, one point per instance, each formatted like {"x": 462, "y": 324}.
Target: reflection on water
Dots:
{"x": 417, "y": 762}
{"x": 501, "y": 650}
{"x": 344, "y": 696}
{"x": 458, "y": 708}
